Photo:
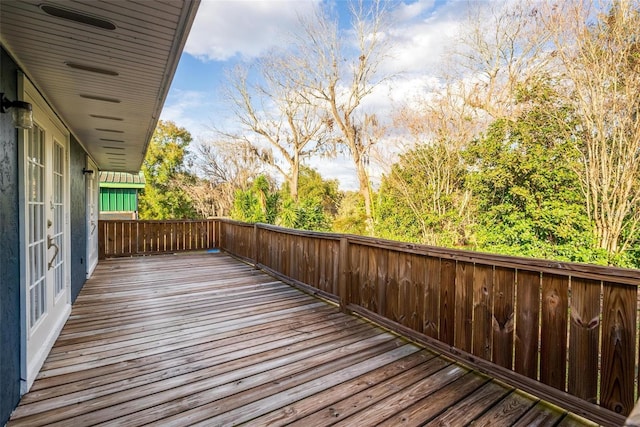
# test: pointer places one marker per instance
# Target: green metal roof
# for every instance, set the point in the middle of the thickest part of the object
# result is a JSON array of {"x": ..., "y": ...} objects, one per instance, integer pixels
[{"x": 121, "y": 180}]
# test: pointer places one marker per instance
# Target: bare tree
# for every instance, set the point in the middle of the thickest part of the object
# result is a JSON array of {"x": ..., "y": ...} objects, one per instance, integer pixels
[
  {"x": 503, "y": 45},
  {"x": 279, "y": 113},
  {"x": 223, "y": 167},
  {"x": 598, "y": 49},
  {"x": 340, "y": 74},
  {"x": 429, "y": 177}
]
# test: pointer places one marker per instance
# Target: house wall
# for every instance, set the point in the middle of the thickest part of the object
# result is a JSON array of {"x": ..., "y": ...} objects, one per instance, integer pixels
[
  {"x": 118, "y": 199},
  {"x": 9, "y": 248},
  {"x": 10, "y": 313},
  {"x": 78, "y": 217}
]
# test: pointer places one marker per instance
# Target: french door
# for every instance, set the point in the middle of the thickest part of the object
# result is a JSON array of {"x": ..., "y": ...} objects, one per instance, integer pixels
[
  {"x": 92, "y": 191},
  {"x": 46, "y": 237}
]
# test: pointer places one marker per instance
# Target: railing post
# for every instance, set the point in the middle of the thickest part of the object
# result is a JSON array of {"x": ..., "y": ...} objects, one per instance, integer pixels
[
  {"x": 216, "y": 234},
  {"x": 220, "y": 233},
  {"x": 102, "y": 237},
  {"x": 343, "y": 278}
]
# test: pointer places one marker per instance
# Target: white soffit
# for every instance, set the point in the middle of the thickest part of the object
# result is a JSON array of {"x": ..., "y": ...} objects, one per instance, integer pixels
[{"x": 105, "y": 66}]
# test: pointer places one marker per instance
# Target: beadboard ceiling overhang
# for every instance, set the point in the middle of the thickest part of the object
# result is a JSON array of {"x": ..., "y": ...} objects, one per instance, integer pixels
[{"x": 105, "y": 66}]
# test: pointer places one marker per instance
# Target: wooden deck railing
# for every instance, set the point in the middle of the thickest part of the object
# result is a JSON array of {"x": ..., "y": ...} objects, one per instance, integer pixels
[
  {"x": 563, "y": 331},
  {"x": 130, "y": 237}
]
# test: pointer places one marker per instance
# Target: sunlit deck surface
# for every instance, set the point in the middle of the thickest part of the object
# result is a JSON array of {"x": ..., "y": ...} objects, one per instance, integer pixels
[{"x": 205, "y": 339}]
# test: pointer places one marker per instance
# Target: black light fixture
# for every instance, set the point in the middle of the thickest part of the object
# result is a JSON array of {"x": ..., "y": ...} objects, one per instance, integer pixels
[
  {"x": 21, "y": 113},
  {"x": 87, "y": 171}
]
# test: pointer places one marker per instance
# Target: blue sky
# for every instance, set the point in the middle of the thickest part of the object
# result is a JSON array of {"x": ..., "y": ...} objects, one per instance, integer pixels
[{"x": 226, "y": 32}]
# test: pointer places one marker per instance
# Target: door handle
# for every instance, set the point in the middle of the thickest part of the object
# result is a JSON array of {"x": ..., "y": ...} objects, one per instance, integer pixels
[{"x": 50, "y": 243}]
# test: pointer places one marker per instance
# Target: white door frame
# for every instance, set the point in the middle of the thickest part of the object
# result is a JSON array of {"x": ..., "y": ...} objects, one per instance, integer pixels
[
  {"x": 92, "y": 194},
  {"x": 37, "y": 339}
]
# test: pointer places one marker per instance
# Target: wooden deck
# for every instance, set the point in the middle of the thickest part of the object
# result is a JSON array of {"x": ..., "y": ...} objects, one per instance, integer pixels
[{"x": 207, "y": 340}]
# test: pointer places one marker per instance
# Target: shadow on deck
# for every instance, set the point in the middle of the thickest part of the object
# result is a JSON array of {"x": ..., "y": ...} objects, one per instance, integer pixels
[{"x": 206, "y": 339}]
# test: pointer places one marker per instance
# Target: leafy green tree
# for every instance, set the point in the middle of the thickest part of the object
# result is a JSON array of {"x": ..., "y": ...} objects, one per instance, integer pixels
[
  {"x": 598, "y": 53},
  {"x": 166, "y": 175},
  {"x": 257, "y": 204},
  {"x": 423, "y": 199},
  {"x": 351, "y": 217},
  {"x": 316, "y": 205},
  {"x": 527, "y": 192}
]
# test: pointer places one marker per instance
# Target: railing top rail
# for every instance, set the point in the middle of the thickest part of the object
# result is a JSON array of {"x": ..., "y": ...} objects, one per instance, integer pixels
[
  {"x": 586, "y": 271},
  {"x": 156, "y": 221}
]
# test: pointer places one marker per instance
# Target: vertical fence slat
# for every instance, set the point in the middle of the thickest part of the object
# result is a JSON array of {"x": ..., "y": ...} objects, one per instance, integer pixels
[
  {"x": 166, "y": 236},
  {"x": 447, "y": 300},
  {"x": 148, "y": 238},
  {"x": 102, "y": 238},
  {"x": 133, "y": 238},
  {"x": 382, "y": 274},
  {"x": 280, "y": 254},
  {"x": 266, "y": 248},
  {"x": 299, "y": 257},
  {"x": 392, "y": 289},
  {"x": 312, "y": 270},
  {"x": 255, "y": 244},
  {"x": 277, "y": 252},
  {"x": 344, "y": 274},
  {"x": 503, "y": 316},
  {"x": 108, "y": 239},
  {"x": 432, "y": 297},
  {"x": 354, "y": 276},
  {"x": 302, "y": 259},
  {"x": 583, "y": 339},
  {"x": 118, "y": 239},
  {"x": 527, "y": 323},
  {"x": 363, "y": 276},
  {"x": 182, "y": 237},
  {"x": 141, "y": 237},
  {"x": 323, "y": 265},
  {"x": 406, "y": 299},
  {"x": 199, "y": 234},
  {"x": 371, "y": 273},
  {"x": 482, "y": 304},
  {"x": 334, "y": 256},
  {"x": 294, "y": 248},
  {"x": 283, "y": 255},
  {"x": 415, "y": 270},
  {"x": 619, "y": 305},
  {"x": 160, "y": 233},
  {"x": 463, "y": 306},
  {"x": 553, "y": 348},
  {"x": 303, "y": 267},
  {"x": 194, "y": 236}
]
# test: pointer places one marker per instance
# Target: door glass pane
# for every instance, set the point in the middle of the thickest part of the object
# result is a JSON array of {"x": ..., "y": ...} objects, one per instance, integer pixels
[
  {"x": 36, "y": 226},
  {"x": 58, "y": 216}
]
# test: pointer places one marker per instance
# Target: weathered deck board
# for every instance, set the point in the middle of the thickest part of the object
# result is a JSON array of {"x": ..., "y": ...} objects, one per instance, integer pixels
[{"x": 204, "y": 339}]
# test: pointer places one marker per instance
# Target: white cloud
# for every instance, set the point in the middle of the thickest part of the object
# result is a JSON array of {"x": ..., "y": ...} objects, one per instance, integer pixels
[
  {"x": 422, "y": 34},
  {"x": 183, "y": 108},
  {"x": 228, "y": 30},
  {"x": 247, "y": 28},
  {"x": 340, "y": 168},
  {"x": 407, "y": 11}
]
